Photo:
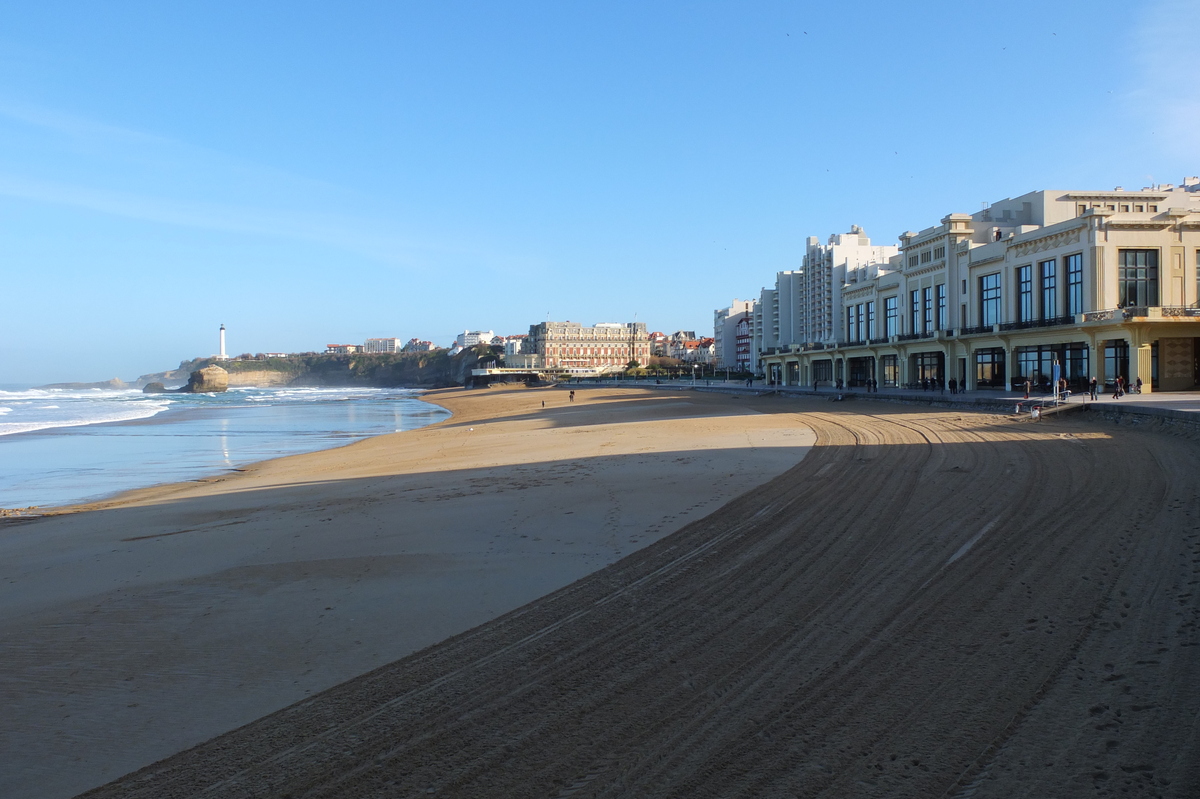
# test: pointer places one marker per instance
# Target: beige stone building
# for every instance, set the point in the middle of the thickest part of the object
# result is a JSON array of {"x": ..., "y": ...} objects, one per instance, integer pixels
[
  {"x": 1101, "y": 283},
  {"x": 570, "y": 345}
]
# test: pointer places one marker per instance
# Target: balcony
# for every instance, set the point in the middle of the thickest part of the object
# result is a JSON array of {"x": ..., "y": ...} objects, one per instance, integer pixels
[
  {"x": 880, "y": 340},
  {"x": 970, "y": 331},
  {"x": 1031, "y": 323},
  {"x": 1172, "y": 312},
  {"x": 1159, "y": 312},
  {"x": 913, "y": 336}
]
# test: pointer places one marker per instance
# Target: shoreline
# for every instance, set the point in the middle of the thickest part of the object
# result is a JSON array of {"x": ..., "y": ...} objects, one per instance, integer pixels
[
  {"x": 202, "y": 606},
  {"x": 189, "y": 441}
]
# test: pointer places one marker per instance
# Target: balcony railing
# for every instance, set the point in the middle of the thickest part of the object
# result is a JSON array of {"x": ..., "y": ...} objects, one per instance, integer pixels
[
  {"x": 914, "y": 336},
  {"x": 1029, "y": 323},
  {"x": 970, "y": 331},
  {"x": 1142, "y": 312},
  {"x": 880, "y": 340}
]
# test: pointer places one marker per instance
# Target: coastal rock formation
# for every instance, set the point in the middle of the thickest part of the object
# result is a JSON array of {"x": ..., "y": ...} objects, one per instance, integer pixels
[
  {"x": 209, "y": 380},
  {"x": 154, "y": 388},
  {"x": 116, "y": 384},
  {"x": 261, "y": 378}
]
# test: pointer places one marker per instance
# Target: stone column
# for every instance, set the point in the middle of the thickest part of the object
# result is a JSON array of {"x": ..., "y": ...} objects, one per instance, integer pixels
[
  {"x": 1096, "y": 360},
  {"x": 1140, "y": 366}
]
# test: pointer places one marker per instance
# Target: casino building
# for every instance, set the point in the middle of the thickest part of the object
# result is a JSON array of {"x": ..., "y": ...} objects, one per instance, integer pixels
[{"x": 1105, "y": 283}]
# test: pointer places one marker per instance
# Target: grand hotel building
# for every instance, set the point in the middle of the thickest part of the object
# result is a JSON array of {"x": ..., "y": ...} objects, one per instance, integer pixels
[{"x": 1106, "y": 283}]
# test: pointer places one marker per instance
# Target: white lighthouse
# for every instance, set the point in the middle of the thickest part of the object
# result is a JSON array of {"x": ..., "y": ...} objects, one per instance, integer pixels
[{"x": 223, "y": 356}]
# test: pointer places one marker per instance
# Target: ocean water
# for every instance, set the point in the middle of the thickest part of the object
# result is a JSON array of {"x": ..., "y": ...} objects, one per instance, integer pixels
[{"x": 62, "y": 446}]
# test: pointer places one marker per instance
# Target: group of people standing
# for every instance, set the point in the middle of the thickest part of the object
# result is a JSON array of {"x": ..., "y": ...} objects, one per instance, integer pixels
[{"x": 1119, "y": 387}]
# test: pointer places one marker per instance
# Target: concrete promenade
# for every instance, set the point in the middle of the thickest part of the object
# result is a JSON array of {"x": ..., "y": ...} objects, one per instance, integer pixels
[{"x": 1169, "y": 404}]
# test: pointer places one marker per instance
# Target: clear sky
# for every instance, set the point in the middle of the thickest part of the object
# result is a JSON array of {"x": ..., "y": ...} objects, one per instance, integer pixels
[{"x": 313, "y": 173}]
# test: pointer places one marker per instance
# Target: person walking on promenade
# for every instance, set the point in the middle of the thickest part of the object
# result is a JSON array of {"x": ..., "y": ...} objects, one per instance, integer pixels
[
  {"x": 1027, "y": 387},
  {"x": 953, "y": 386},
  {"x": 1117, "y": 388},
  {"x": 1139, "y": 385},
  {"x": 1094, "y": 389}
]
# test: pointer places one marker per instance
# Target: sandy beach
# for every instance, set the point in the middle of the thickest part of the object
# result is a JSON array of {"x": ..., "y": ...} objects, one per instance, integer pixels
[
  {"x": 932, "y": 603},
  {"x": 140, "y": 626}
]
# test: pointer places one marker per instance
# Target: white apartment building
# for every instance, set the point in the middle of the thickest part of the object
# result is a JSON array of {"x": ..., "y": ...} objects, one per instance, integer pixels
[
  {"x": 469, "y": 338},
  {"x": 725, "y": 325},
  {"x": 1075, "y": 283},
  {"x": 382, "y": 345}
]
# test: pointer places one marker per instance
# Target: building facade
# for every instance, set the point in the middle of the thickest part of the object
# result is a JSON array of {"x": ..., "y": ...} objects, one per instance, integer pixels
[
  {"x": 418, "y": 345},
  {"x": 1070, "y": 283},
  {"x": 725, "y": 326},
  {"x": 382, "y": 345},
  {"x": 469, "y": 338},
  {"x": 572, "y": 345}
]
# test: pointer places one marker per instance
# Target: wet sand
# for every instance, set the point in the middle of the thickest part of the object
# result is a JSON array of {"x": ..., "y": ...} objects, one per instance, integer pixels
[{"x": 140, "y": 626}]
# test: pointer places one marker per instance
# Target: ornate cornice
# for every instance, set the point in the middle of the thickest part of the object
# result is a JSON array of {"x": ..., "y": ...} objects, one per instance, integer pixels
[
  {"x": 1117, "y": 195},
  {"x": 926, "y": 269},
  {"x": 1043, "y": 243},
  {"x": 1118, "y": 225}
]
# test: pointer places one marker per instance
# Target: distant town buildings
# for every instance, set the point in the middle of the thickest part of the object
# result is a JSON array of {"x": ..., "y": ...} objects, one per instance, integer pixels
[
  {"x": 1077, "y": 284},
  {"x": 343, "y": 349},
  {"x": 513, "y": 345},
  {"x": 417, "y": 345}
]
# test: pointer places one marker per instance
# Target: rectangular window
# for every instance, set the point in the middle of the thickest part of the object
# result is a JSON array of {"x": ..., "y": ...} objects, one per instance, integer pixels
[
  {"x": 1049, "y": 274},
  {"x": 1116, "y": 361},
  {"x": 914, "y": 311},
  {"x": 939, "y": 252},
  {"x": 1074, "y": 265},
  {"x": 989, "y": 299},
  {"x": 912, "y": 260},
  {"x": 871, "y": 320},
  {"x": 1025, "y": 293},
  {"x": 929, "y": 366},
  {"x": 989, "y": 368},
  {"x": 927, "y": 310},
  {"x": 942, "y": 321},
  {"x": 926, "y": 256},
  {"x": 889, "y": 366},
  {"x": 891, "y": 316},
  {"x": 1137, "y": 277}
]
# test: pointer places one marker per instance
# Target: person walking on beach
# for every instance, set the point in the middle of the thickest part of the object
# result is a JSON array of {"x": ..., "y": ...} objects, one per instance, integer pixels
[
  {"x": 1093, "y": 389},
  {"x": 572, "y": 395}
]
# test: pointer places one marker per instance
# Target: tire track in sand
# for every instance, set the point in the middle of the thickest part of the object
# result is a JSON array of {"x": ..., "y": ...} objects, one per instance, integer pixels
[{"x": 807, "y": 639}]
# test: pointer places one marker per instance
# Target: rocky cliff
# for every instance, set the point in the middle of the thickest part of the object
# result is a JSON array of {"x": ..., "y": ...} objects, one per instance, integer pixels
[
  {"x": 209, "y": 380},
  {"x": 435, "y": 369}
]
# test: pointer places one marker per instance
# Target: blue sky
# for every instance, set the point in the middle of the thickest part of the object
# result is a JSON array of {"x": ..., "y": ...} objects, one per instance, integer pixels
[{"x": 309, "y": 173}]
